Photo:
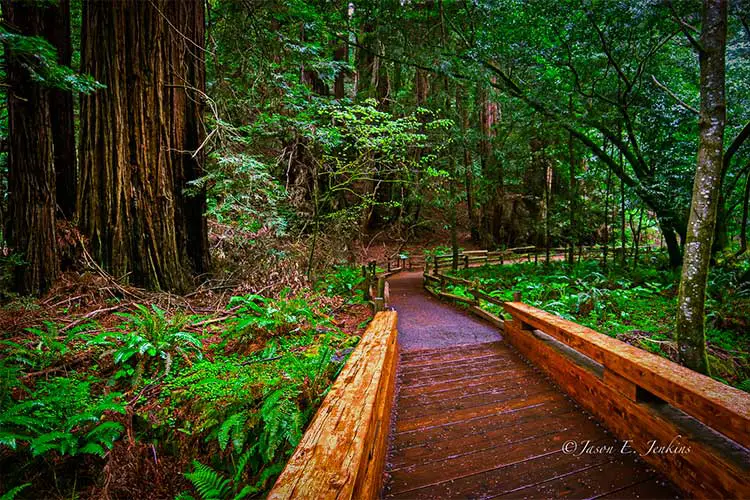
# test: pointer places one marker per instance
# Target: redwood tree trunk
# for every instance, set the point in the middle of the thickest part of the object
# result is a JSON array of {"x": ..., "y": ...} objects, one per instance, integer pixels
[
  {"x": 31, "y": 171},
  {"x": 57, "y": 32},
  {"x": 701, "y": 224},
  {"x": 138, "y": 138}
]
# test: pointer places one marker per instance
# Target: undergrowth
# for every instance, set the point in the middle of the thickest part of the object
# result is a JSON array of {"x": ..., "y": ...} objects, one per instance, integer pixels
[{"x": 224, "y": 398}]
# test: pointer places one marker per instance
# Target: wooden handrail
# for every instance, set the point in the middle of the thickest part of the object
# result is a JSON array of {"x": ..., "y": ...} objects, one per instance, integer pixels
[
  {"x": 645, "y": 399},
  {"x": 717, "y": 405},
  {"x": 342, "y": 453}
]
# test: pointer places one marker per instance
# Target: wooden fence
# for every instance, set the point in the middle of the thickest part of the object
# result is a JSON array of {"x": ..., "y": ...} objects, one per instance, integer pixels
[
  {"x": 342, "y": 453},
  {"x": 693, "y": 429},
  {"x": 375, "y": 284}
]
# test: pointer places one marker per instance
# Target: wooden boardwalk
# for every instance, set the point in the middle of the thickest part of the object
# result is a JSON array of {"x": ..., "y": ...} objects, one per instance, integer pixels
[
  {"x": 478, "y": 422},
  {"x": 474, "y": 418}
]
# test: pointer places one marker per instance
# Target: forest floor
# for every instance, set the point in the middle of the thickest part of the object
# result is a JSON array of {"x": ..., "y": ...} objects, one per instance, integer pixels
[{"x": 110, "y": 391}]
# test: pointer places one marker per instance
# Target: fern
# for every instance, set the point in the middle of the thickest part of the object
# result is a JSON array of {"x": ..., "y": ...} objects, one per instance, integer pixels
[
  {"x": 210, "y": 484},
  {"x": 12, "y": 493},
  {"x": 148, "y": 336},
  {"x": 61, "y": 415},
  {"x": 213, "y": 485}
]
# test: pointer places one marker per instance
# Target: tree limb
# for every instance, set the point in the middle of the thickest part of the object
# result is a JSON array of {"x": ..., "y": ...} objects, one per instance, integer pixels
[{"x": 675, "y": 96}]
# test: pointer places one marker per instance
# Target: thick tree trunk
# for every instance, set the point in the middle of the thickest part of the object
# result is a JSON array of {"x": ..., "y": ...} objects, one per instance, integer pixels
[
  {"x": 31, "y": 164},
  {"x": 138, "y": 138},
  {"x": 701, "y": 224},
  {"x": 57, "y": 32}
]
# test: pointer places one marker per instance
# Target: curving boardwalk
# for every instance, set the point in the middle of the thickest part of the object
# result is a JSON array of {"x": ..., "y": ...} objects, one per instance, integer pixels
[{"x": 474, "y": 420}]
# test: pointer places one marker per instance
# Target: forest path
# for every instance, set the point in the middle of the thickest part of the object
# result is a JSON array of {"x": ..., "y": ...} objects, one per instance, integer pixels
[
  {"x": 424, "y": 322},
  {"x": 473, "y": 419}
]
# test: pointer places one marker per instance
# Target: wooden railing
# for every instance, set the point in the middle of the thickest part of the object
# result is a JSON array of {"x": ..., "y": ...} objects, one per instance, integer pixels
[
  {"x": 342, "y": 453},
  {"x": 375, "y": 284},
  {"x": 690, "y": 427}
]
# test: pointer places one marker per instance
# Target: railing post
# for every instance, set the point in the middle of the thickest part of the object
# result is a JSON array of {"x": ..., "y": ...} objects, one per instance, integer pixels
[
  {"x": 435, "y": 271},
  {"x": 517, "y": 296},
  {"x": 366, "y": 283},
  {"x": 466, "y": 262}
]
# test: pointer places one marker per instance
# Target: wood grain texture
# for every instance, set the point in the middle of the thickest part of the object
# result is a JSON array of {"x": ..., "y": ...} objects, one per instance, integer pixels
[
  {"x": 477, "y": 422},
  {"x": 712, "y": 468},
  {"x": 342, "y": 453},
  {"x": 721, "y": 407}
]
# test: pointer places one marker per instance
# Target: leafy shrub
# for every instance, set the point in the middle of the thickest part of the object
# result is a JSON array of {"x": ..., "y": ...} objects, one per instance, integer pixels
[
  {"x": 260, "y": 314},
  {"x": 61, "y": 415},
  {"x": 344, "y": 280}
]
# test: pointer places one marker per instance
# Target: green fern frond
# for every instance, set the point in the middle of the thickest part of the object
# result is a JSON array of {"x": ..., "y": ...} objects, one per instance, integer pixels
[
  {"x": 210, "y": 484},
  {"x": 11, "y": 494}
]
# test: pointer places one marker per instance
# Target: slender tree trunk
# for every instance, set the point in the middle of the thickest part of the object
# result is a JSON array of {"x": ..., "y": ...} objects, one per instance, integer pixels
[
  {"x": 139, "y": 138},
  {"x": 743, "y": 225},
  {"x": 468, "y": 168},
  {"x": 605, "y": 247},
  {"x": 547, "y": 210},
  {"x": 57, "y": 32},
  {"x": 572, "y": 203},
  {"x": 31, "y": 163},
  {"x": 701, "y": 224},
  {"x": 623, "y": 239}
]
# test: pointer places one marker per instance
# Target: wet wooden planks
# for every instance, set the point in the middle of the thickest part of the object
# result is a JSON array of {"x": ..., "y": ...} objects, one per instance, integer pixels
[{"x": 477, "y": 422}]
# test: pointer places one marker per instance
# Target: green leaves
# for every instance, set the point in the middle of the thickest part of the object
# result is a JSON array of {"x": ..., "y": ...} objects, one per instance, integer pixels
[
  {"x": 61, "y": 416},
  {"x": 148, "y": 334},
  {"x": 39, "y": 58}
]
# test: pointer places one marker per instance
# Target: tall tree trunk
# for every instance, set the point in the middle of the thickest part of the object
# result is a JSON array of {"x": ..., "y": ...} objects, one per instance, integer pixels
[
  {"x": 31, "y": 163},
  {"x": 743, "y": 224},
  {"x": 487, "y": 115},
  {"x": 623, "y": 239},
  {"x": 340, "y": 53},
  {"x": 138, "y": 139},
  {"x": 572, "y": 203},
  {"x": 703, "y": 208},
  {"x": 605, "y": 247},
  {"x": 468, "y": 167},
  {"x": 189, "y": 108},
  {"x": 57, "y": 32}
]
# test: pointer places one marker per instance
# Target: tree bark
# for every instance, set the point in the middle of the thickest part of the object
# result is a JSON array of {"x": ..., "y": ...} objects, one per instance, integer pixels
[
  {"x": 743, "y": 225},
  {"x": 701, "y": 224},
  {"x": 468, "y": 167},
  {"x": 572, "y": 194},
  {"x": 139, "y": 138},
  {"x": 31, "y": 162},
  {"x": 57, "y": 32}
]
